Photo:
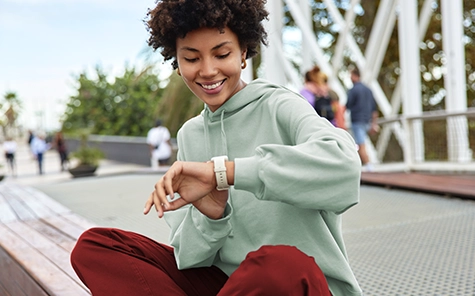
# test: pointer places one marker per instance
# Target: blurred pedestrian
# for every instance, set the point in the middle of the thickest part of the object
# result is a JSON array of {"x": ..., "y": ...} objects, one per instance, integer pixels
[
  {"x": 9, "y": 147},
  {"x": 158, "y": 140},
  {"x": 60, "y": 145},
  {"x": 39, "y": 147},
  {"x": 31, "y": 136},
  {"x": 338, "y": 109},
  {"x": 316, "y": 91},
  {"x": 363, "y": 112}
]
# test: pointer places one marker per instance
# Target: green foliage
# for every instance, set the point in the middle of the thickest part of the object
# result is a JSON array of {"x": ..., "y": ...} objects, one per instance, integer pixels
[
  {"x": 178, "y": 104},
  {"x": 87, "y": 155},
  {"x": 126, "y": 106}
]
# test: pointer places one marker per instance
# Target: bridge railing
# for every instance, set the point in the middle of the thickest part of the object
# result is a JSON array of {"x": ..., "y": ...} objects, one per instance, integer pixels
[{"x": 432, "y": 141}]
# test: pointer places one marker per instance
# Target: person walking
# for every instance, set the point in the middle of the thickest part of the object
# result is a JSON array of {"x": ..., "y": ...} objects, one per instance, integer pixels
[
  {"x": 363, "y": 113},
  {"x": 158, "y": 140},
  {"x": 60, "y": 145},
  {"x": 255, "y": 200},
  {"x": 38, "y": 148},
  {"x": 317, "y": 93},
  {"x": 10, "y": 147}
]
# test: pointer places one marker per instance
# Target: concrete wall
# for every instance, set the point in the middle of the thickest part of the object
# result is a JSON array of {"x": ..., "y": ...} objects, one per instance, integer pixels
[{"x": 120, "y": 148}]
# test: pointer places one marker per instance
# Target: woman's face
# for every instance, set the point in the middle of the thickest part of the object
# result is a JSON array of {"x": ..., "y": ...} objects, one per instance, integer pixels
[{"x": 210, "y": 64}]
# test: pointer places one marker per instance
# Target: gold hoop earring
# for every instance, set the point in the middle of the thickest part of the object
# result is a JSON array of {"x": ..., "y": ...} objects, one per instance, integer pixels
[
  {"x": 243, "y": 64},
  {"x": 178, "y": 71}
]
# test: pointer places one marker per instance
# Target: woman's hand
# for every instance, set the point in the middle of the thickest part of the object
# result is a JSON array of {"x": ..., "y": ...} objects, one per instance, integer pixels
[{"x": 196, "y": 184}]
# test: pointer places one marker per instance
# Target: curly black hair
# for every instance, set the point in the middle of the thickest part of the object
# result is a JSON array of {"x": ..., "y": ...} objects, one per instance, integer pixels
[{"x": 172, "y": 19}]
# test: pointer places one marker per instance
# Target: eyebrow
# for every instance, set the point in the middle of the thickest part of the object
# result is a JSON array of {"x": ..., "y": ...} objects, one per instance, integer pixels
[{"x": 214, "y": 48}]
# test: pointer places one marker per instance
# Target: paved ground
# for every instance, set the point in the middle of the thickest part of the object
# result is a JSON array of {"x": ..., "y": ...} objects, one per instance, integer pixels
[{"x": 399, "y": 242}]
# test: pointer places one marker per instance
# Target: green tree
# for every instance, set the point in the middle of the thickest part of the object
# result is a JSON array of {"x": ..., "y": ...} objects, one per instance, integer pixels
[
  {"x": 178, "y": 104},
  {"x": 127, "y": 106}
]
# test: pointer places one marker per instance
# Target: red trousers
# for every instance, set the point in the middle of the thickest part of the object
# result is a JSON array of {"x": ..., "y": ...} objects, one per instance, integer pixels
[{"x": 116, "y": 262}]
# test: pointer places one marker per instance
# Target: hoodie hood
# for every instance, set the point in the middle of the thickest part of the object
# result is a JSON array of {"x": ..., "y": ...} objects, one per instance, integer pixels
[{"x": 251, "y": 92}]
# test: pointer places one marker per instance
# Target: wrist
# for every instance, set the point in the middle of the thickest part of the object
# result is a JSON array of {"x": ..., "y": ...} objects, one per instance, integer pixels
[
  {"x": 220, "y": 171},
  {"x": 230, "y": 172}
]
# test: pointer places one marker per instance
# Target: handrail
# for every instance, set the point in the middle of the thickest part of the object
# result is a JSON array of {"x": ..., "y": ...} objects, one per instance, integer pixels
[{"x": 429, "y": 115}]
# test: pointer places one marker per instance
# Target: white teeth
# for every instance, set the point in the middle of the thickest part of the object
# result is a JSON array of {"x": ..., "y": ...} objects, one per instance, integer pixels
[{"x": 212, "y": 86}]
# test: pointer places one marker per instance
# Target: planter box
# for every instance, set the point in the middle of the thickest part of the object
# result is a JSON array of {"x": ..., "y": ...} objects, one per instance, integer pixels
[{"x": 83, "y": 171}]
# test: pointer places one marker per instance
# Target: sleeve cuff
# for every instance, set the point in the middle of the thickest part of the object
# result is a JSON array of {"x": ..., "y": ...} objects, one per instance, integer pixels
[
  {"x": 210, "y": 228},
  {"x": 246, "y": 175}
]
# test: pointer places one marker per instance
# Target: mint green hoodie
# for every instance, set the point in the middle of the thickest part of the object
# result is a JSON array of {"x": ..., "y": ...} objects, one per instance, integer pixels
[{"x": 294, "y": 175}]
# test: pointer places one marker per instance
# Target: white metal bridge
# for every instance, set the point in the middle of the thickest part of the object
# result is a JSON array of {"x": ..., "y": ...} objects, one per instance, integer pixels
[{"x": 407, "y": 128}]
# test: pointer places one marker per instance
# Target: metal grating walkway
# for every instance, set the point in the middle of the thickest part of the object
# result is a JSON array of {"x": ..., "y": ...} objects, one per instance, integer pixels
[{"x": 405, "y": 243}]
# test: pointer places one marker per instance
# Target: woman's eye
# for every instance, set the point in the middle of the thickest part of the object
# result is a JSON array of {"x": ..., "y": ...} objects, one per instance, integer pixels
[
  {"x": 191, "y": 60},
  {"x": 223, "y": 56}
]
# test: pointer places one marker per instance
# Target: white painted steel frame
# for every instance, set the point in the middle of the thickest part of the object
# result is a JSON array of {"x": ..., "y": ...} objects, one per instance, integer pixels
[
  {"x": 455, "y": 82},
  {"x": 408, "y": 90}
]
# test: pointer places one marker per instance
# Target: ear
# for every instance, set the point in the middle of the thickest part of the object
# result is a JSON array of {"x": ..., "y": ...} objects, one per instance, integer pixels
[{"x": 243, "y": 54}]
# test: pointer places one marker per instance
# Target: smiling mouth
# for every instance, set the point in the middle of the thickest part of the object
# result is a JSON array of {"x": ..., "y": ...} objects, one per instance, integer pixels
[{"x": 212, "y": 86}]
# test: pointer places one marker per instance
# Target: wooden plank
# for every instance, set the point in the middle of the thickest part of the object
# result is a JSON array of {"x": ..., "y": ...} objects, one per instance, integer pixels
[
  {"x": 49, "y": 270},
  {"x": 34, "y": 203},
  {"x": 38, "y": 234},
  {"x": 14, "y": 280},
  {"x": 53, "y": 234},
  {"x": 6, "y": 212},
  {"x": 21, "y": 210},
  {"x": 3, "y": 291},
  {"x": 65, "y": 226},
  {"x": 454, "y": 185},
  {"x": 50, "y": 250}
]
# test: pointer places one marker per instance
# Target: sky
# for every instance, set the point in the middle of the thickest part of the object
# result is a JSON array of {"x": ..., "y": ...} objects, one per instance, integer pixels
[{"x": 44, "y": 44}]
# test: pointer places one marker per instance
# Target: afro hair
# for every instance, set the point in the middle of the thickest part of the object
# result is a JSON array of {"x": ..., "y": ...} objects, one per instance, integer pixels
[{"x": 172, "y": 19}]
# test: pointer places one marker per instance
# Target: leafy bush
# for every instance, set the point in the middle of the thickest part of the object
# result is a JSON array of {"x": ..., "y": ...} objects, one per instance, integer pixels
[{"x": 87, "y": 155}]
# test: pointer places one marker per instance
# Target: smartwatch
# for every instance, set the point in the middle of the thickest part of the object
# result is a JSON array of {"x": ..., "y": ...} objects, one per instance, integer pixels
[{"x": 220, "y": 171}]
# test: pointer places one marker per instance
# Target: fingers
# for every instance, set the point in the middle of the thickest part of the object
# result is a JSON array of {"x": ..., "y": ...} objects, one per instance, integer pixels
[
  {"x": 148, "y": 205},
  {"x": 153, "y": 200},
  {"x": 158, "y": 198}
]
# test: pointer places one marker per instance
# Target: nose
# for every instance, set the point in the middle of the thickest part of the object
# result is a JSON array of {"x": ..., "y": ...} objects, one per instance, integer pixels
[{"x": 208, "y": 68}]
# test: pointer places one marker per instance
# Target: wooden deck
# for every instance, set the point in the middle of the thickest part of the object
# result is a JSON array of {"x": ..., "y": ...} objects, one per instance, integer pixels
[
  {"x": 37, "y": 235},
  {"x": 457, "y": 185}
]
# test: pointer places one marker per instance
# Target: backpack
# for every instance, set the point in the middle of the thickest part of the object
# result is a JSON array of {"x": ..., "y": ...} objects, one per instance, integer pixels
[{"x": 323, "y": 106}]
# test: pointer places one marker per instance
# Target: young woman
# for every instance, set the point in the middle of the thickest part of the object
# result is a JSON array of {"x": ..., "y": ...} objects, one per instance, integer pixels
[{"x": 255, "y": 201}]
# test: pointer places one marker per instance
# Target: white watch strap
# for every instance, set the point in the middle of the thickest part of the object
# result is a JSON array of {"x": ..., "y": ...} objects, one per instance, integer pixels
[{"x": 220, "y": 171}]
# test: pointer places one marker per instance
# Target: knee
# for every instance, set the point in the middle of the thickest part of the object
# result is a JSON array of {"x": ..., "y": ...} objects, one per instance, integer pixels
[
  {"x": 284, "y": 257},
  {"x": 89, "y": 238},
  {"x": 277, "y": 270}
]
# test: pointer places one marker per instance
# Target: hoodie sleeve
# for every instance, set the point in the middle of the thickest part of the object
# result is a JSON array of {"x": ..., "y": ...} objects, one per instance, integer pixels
[
  {"x": 319, "y": 170},
  {"x": 190, "y": 225},
  {"x": 207, "y": 236}
]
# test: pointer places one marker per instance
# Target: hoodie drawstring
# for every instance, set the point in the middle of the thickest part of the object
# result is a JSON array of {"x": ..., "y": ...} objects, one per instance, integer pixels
[
  {"x": 224, "y": 144},
  {"x": 223, "y": 136}
]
